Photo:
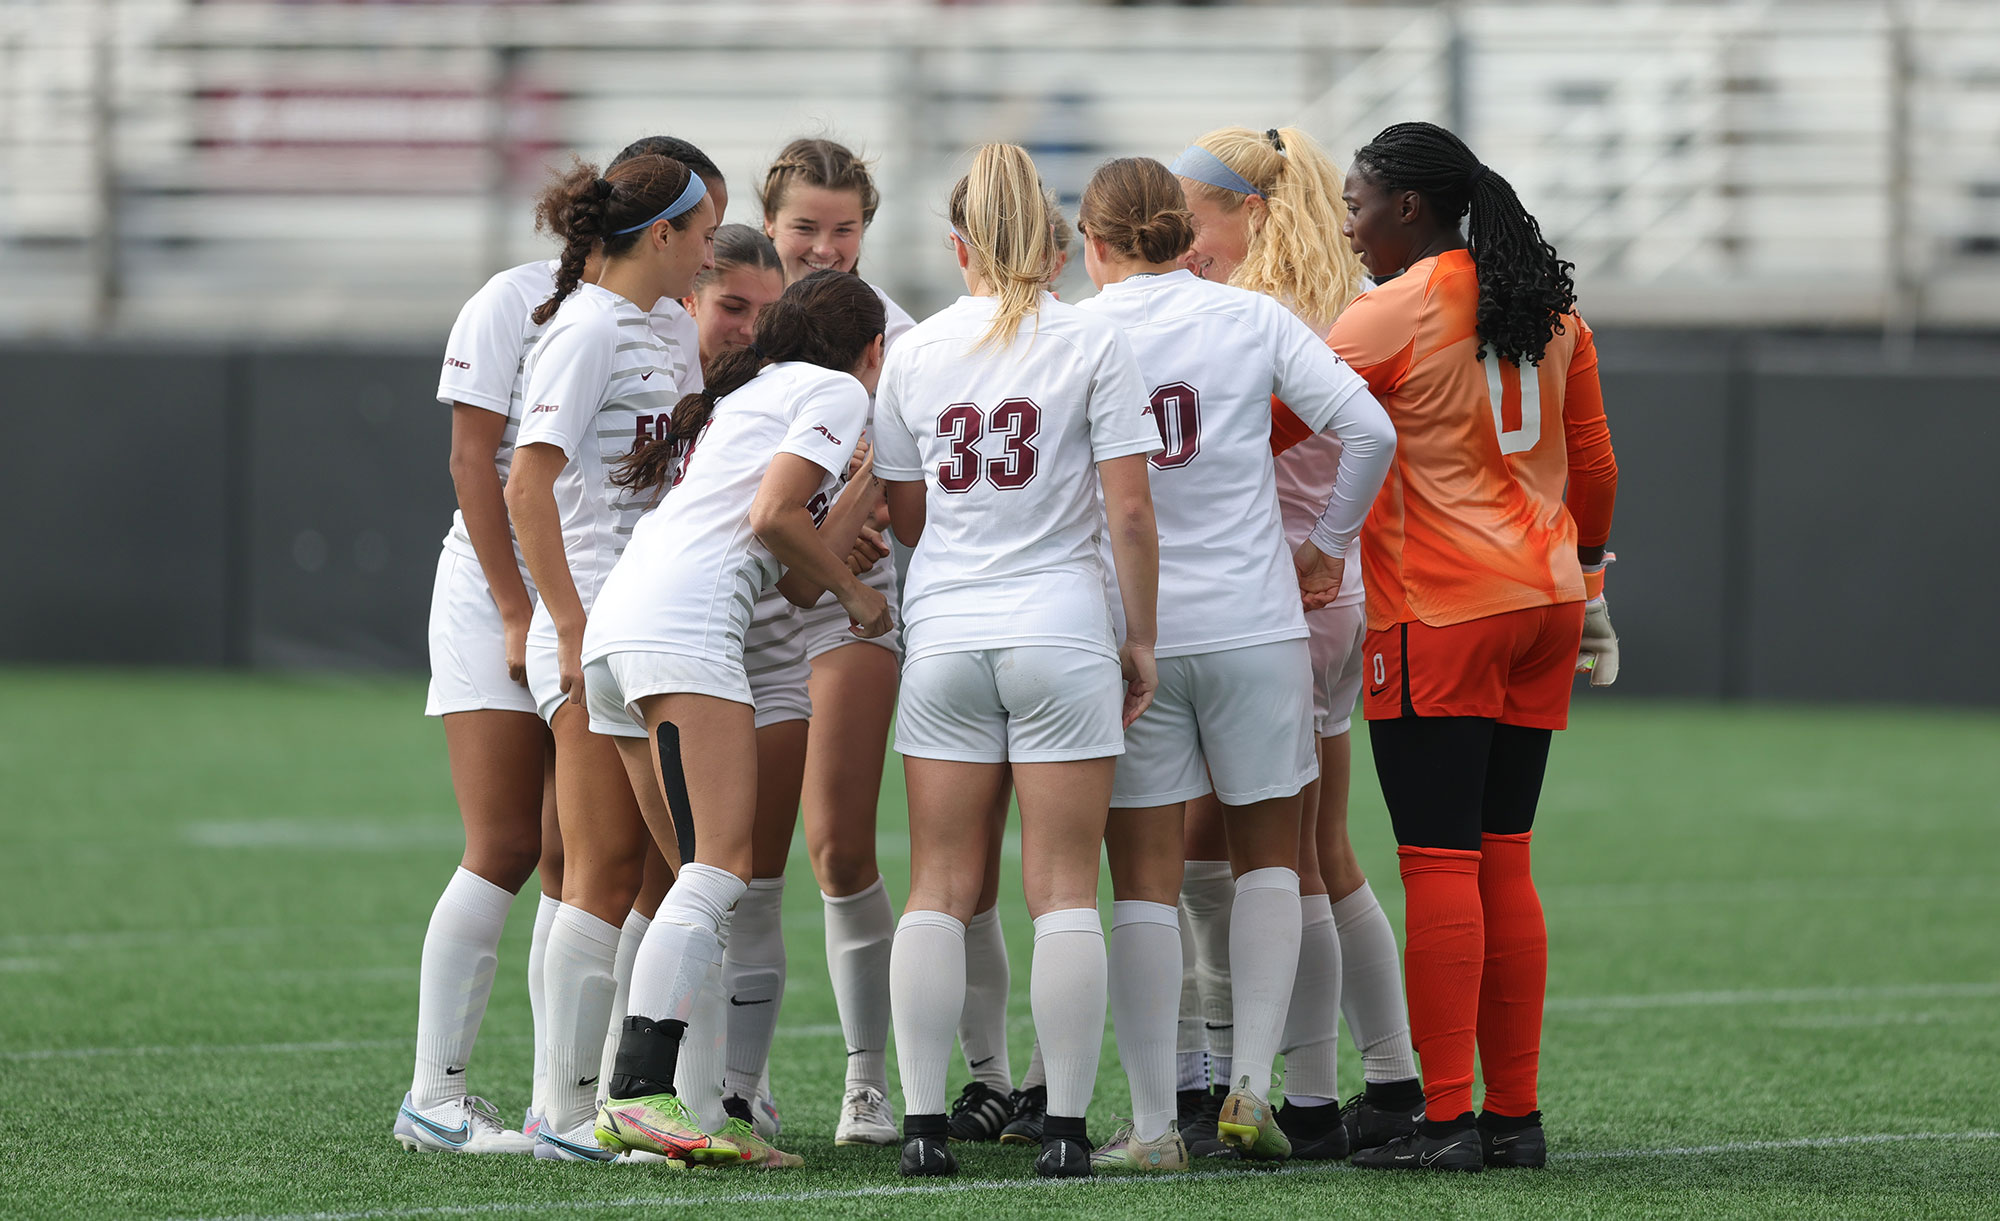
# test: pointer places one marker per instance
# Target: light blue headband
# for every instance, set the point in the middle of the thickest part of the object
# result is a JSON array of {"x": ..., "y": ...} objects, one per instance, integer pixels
[
  {"x": 690, "y": 195},
  {"x": 1203, "y": 166}
]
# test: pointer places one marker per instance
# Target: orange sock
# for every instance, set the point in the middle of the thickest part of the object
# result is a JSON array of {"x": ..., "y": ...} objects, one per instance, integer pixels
[
  {"x": 1516, "y": 977},
  {"x": 1444, "y": 955}
]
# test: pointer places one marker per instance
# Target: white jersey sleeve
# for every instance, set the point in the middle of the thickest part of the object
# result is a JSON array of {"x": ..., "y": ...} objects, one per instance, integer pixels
[
  {"x": 831, "y": 415},
  {"x": 1120, "y": 408},
  {"x": 565, "y": 386},
  {"x": 483, "y": 356}
]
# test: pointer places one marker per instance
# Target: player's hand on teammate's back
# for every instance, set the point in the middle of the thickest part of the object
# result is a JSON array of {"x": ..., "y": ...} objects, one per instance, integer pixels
[
  {"x": 868, "y": 613},
  {"x": 1319, "y": 575},
  {"x": 1597, "y": 656},
  {"x": 1142, "y": 678},
  {"x": 569, "y": 666}
]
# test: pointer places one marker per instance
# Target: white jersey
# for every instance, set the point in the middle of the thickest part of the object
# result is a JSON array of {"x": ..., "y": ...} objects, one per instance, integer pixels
[
  {"x": 693, "y": 558},
  {"x": 1212, "y": 356},
  {"x": 599, "y": 382},
  {"x": 896, "y": 319},
  {"x": 1305, "y": 479},
  {"x": 1007, "y": 443},
  {"x": 483, "y": 359}
]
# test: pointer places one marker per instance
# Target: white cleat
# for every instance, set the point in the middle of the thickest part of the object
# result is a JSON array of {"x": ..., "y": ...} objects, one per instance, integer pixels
[
  {"x": 579, "y": 1144},
  {"x": 467, "y": 1125},
  {"x": 764, "y": 1116},
  {"x": 532, "y": 1122},
  {"x": 865, "y": 1119}
]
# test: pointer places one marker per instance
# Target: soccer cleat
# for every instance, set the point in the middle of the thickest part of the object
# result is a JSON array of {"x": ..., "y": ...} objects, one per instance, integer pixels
[
  {"x": 531, "y": 1122},
  {"x": 1453, "y": 1146},
  {"x": 661, "y": 1123},
  {"x": 1028, "y": 1109},
  {"x": 468, "y": 1125},
  {"x": 1125, "y": 1153},
  {"x": 927, "y": 1156},
  {"x": 1250, "y": 1126},
  {"x": 1507, "y": 1143},
  {"x": 579, "y": 1144},
  {"x": 1317, "y": 1133},
  {"x": 1198, "y": 1109},
  {"x": 865, "y": 1119},
  {"x": 756, "y": 1152},
  {"x": 1063, "y": 1157},
  {"x": 764, "y": 1114},
  {"x": 980, "y": 1113},
  {"x": 1369, "y": 1126}
]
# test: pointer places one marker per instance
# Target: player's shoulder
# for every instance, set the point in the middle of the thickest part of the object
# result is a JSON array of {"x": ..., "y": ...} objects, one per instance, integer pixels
[
  {"x": 527, "y": 285},
  {"x": 1086, "y": 331}
]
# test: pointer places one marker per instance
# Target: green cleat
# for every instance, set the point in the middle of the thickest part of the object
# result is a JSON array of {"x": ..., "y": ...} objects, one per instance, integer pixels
[
  {"x": 1249, "y": 1125},
  {"x": 757, "y": 1153},
  {"x": 661, "y": 1124}
]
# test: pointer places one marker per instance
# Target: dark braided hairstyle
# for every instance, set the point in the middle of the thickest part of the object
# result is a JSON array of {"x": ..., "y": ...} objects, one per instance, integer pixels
[
  {"x": 827, "y": 319},
  {"x": 1524, "y": 287},
  {"x": 585, "y": 210}
]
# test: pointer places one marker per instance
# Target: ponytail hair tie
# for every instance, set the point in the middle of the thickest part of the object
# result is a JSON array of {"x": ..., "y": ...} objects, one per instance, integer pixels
[
  {"x": 604, "y": 187},
  {"x": 1478, "y": 175},
  {"x": 1277, "y": 141}
]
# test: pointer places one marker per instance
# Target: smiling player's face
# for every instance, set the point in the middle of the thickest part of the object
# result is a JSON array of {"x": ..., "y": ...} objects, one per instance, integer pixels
[
  {"x": 1221, "y": 236},
  {"x": 816, "y": 229},
  {"x": 726, "y": 308}
]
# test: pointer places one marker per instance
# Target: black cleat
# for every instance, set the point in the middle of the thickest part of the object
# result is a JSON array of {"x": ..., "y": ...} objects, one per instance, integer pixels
[
  {"x": 1029, "y": 1108},
  {"x": 927, "y": 1157},
  {"x": 1433, "y": 1146},
  {"x": 1317, "y": 1133},
  {"x": 1513, "y": 1144},
  {"x": 1065, "y": 1149},
  {"x": 1198, "y": 1112},
  {"x": 980, "y": 1113},
  {"x": 1370, "y": 1125}
]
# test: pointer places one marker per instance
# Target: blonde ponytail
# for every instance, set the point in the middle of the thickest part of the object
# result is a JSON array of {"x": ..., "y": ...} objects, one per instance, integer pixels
[
  {"x": 1002, "y": 215},
  {"x": 1299, "y": 255}
]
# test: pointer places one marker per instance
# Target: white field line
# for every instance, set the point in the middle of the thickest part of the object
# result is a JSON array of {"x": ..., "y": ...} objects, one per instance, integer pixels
[
  {"x": 823, "y": 1030},
  {"x": 1044, "y": 1185}
]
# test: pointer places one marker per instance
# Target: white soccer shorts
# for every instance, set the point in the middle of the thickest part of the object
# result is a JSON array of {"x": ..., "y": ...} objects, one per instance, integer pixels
[
  {"x": 1236, "y": 723},
  {"x": 774, "y": 656},
  {"x": 1031, "y": 704},
  {"x": 1337, "y": 632},
  {"x": 469, "y": 644},
  {"x": 614, "y": 684}
]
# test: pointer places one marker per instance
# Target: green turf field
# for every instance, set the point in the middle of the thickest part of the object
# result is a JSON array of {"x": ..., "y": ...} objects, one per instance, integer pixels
[{"x": 1774, "y": 983}]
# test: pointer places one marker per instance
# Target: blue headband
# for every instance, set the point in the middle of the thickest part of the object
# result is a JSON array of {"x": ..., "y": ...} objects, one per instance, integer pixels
[
  {"x": 691, "y": 194},
  {"x": 1203, "y": 166}
]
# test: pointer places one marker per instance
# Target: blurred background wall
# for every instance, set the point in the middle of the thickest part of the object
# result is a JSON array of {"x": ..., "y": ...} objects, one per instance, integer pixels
[{"x": 233, "y": 237}]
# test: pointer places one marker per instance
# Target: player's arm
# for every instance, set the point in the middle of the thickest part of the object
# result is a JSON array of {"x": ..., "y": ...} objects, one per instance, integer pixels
[
  {"x": 531, "y": 504},
  {"x": 1593, "y": 490},
  {"x": 814, "y": 561},
  {"x": 1135, "y": 553},
  {"x": 476, "y": 435}
]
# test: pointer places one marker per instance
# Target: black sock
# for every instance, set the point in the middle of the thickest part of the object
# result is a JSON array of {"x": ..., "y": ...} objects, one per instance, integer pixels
[
  {"x": 647, "y": 1053},
  {"x": 1490, "y": 1121},
  {"x": 1309, "y": 1123},
  {"x": 1406, "y": 1095},
  {"x": 1064, "y": 1127},
  {"x": 1447, "y": 1127},
  {"x": 924, "y": 1125}
]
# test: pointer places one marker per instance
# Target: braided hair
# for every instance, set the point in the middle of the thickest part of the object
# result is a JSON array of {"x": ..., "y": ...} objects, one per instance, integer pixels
[
  {"x": 1524, "y": 286},
  {"x": 587, "y": 211}
]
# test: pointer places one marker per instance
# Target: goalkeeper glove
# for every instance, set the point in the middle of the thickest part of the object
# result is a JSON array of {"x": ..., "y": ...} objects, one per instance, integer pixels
[{"x": 1597, "y": 656}]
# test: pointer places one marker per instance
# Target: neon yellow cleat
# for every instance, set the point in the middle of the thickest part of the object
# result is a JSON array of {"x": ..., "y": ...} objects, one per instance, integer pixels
[
  {"x": 1249, "y": 1125},
  {"x": 661, "y": 1124},
  {"x": 1125, "y": 1153}
]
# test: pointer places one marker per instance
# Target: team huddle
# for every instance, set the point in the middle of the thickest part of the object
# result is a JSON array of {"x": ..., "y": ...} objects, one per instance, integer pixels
[{"x": 727, "y": 513}]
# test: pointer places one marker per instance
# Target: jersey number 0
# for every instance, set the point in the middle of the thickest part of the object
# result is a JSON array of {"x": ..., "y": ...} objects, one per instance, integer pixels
[
  {"x": 1518, "y": 421},
  {"x": 962, "y": 424}
]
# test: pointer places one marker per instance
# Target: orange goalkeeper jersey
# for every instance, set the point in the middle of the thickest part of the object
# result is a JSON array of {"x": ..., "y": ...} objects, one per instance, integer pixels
[{"x": 1500, "y": 471}]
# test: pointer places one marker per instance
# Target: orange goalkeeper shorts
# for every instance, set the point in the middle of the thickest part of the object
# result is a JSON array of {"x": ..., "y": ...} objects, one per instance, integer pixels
[{"x": 1515, "y": 668}]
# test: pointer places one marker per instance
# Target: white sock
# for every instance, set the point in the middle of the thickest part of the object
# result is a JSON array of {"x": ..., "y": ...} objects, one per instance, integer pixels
[
  {"x": 461, "y": 953},
  {"x": 704, "y": 1054},
  {"x": 1371, "y": 988},
  {"x": 1207, "y": 895},
  {"x": 859, "y": 930},
  {"x": 1038, "y": 1073},
  {"x": 1191, "y": 1037},
  {"x": 753, "y": 983},
  {"x": 982, "y": 1028},
  {"x": 1066, "y": 989},
  {"x": 927, "y": 993},
  {"x": 1145, "y": 950},
  {"x": 629, "y": 939},
  {"x": 1312, "y": 1027},
  {"x": 538, "y": 1005},
  {"x": 1263, "y": 961},
  {"x": 582, "y": 953}
]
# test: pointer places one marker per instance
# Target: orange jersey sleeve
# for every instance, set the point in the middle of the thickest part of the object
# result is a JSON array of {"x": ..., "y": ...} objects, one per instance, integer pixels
[
  {"x": 1593, "y": 467},
  {"x": 1287, "y": 429}
]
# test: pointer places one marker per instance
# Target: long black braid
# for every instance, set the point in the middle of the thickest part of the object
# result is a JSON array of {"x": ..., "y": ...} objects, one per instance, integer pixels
[{"x": 1524, "y": 287}]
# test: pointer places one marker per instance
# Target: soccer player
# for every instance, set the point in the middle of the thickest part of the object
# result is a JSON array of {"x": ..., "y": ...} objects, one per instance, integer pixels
[
  {"x": 999, "y": 421},
  {"x": 481, "y": 607},
  {"x": 1484, "y": 560},
  {"x": 1233, "y": 714},
  {"x": 760, "y": 454},
  {"x": 819, "y": 199},
  {"x": 597, "y": 380},
  {"x": 1267, "y": 215}
]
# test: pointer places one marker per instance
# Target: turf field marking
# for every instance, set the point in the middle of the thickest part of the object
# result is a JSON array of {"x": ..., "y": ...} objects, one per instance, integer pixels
[
  {"x": 1769, "y": 996},
  {"x": 974, "y": 1185}
]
